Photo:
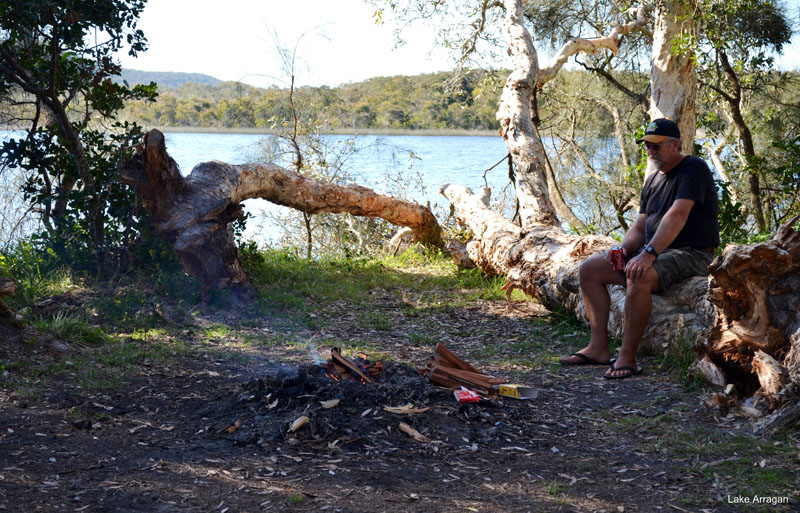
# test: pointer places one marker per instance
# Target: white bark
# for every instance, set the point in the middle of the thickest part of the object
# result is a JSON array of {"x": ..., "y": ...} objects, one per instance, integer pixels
[
  {"x": 593, "y": 45},
  {"x": 673, "y": 79},
  {"x": 516, "y": 124},
  {"x": 514, "y": 111}
]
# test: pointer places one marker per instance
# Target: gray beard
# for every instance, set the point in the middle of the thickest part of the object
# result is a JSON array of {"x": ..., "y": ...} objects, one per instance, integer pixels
[{"x": 653, "y": 165}]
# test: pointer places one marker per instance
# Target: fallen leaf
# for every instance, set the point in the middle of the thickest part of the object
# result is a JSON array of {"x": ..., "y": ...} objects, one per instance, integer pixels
[
  {"x": 232, "y": 429},
  {"x": 330, "y": 403},
  {"x": 413, "y": 433},
  {"x": 297, "y": 424},
  {"x": 572, "y": 480},
  {"x": 408, "y": 408}
]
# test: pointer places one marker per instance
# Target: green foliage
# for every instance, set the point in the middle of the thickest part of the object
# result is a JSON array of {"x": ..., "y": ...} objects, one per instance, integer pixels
[
  {"x": 46, "y": 158},
  {"x": 38, "y": 273},
  {"x": 49, "y": 60},
  {"x": 783, "y": 195},
  {"x": 432, "y": 101}
]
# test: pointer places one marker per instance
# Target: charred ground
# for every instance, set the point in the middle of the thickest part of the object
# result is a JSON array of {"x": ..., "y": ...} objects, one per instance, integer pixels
[{"x": 194, "y": 415}]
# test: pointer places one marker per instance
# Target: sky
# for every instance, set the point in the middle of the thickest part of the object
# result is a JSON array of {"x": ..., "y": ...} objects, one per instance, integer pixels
[{"x": 337, "y": 41}]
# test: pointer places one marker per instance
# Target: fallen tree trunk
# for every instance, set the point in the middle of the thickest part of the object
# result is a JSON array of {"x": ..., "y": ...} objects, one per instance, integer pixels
[
  {"x": 544, "y": 263},
  {"x": 195, "y": 213}
]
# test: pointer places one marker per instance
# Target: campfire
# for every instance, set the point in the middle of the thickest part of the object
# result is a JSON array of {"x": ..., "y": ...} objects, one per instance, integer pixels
[
  {"x": 444, "y": 369},
  {"x": 340, "y": 368}
]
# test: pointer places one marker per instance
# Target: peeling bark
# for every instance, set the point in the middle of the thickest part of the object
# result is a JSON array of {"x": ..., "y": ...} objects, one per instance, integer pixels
[
  {"x": 195, "y": 213},
  {"x": 771, "y": 375},
  {"x": 516, "y": 123},
  {"x": 673, "y": 79},
  {"x": 515, "y": 110}
]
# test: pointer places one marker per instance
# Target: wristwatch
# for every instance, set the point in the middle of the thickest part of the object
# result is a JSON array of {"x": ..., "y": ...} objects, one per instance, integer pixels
[{"x": 650, "y": 249}]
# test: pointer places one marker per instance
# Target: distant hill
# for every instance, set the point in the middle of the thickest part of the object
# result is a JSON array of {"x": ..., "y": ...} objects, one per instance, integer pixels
[{"x": 166, "y": 79}]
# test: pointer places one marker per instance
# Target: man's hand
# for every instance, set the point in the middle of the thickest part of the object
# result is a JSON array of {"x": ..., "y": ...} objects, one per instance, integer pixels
[{"x": 638, "y": 266}]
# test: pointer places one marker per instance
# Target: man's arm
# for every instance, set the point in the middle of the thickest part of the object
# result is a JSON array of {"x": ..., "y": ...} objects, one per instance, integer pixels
[
  {"x": 634, "y": 239},
  {"x": 669, "y": 228},
  {"x": 672, "y": 224}
]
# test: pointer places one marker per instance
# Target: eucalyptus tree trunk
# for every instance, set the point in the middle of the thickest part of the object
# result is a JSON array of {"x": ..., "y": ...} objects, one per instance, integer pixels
[{"x": 673, "y": 80}]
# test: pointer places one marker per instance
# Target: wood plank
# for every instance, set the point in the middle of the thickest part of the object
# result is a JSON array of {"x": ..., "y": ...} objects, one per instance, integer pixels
[
  {"x": 470, "y": 377},
  {"x": 442, "y": 380},
  {"x": 454, "y": 382},
  {"x": 452, "y": 358}
]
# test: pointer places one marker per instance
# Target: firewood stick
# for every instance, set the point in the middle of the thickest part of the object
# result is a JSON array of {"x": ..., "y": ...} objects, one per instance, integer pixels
[
  {"x": 350, "y": 366},
  {"x": 442, "y": 380},
  {"x": 455, "y": 360},
  {"x": 478, "y": 379},
  {"x": 453, "y": 382},
  {"x": 465, "y": 380},
  {"x": 491, "y": 380}
]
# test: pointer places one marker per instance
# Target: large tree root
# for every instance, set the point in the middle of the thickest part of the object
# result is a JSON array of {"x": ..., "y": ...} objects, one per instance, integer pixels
[{"x": 754, "y": 340}]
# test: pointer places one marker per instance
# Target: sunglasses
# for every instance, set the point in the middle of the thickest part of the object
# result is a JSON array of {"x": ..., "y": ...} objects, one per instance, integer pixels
[{"x": 654, "y": 146}]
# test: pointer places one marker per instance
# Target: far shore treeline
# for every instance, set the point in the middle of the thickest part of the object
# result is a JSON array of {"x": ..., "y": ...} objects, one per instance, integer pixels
[{"x": 438, "y": 101}]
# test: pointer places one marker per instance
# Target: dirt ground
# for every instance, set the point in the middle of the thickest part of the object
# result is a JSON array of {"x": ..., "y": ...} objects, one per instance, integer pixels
[{"x": 208, "y": 430}]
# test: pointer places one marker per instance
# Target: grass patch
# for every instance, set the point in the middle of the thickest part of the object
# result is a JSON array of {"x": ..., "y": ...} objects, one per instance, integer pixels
[
  {"x": 676, "y": 363},
  {"x": 742, "y": 465},
  {"x": 284, "y": 279},
  {"x": 72, "y": 330},
  {"x": 37, "y": 274}
]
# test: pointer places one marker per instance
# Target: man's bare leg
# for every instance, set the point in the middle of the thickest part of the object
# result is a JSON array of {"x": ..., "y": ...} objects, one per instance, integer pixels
[
  {"x": 595, "y": 273},
  {"x": 638, "y": 307}
]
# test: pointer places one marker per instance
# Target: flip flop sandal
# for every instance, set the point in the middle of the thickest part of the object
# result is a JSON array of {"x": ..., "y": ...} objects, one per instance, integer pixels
[
  {"x": 633, "y": 372},
  {"x": 586, "y": 360}
]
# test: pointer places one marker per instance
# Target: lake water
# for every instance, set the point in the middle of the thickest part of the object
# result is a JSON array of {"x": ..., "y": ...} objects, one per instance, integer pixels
[
  {"x": 435, "y": 159},
  {"x": 410, "y": 166},
  {"x": 407, "y": 165}
]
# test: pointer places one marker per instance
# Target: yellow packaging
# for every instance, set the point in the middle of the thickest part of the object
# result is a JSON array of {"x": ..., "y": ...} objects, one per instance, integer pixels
[{"x": 518, "y": 391}]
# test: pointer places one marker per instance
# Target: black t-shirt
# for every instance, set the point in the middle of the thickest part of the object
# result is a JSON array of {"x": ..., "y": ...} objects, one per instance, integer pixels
[{"x": 690, "y": 179}]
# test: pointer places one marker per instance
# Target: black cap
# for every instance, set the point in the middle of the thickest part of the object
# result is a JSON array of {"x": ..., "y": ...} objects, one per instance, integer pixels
[{"x": 658, "y": 130}]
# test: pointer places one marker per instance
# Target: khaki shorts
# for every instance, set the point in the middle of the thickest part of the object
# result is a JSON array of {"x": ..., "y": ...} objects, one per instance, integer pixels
[{"x": 675, "y": 265}]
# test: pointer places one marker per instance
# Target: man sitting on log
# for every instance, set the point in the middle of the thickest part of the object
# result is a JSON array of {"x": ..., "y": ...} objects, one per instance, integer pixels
[{"x": 673, "y": 238}]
